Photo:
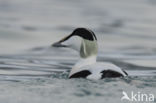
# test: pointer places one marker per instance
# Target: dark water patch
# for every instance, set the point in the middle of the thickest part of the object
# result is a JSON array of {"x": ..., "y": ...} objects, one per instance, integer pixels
[
  {"x": 117, "y": 23},
  {"x": 145, "y": 82},
  {"x": 152, "y": 2},
  {"x": 79, "y": 94},
  {"x": 31, "y": 68},
  {"x": 128, "y": 79},
  {"x": 143, "y": 53},
  {"x": 133, "y": 47},
  {"x": 6, "y": 6},
  {"x": 14, "y": 81},
  {"x": 86, "y": 92},
  {"x": 110, "y": 27},
  {"x": 37, "y": 49},
  {"x": 98, "y": 94},
  {"x": 29, "y": 28},
  {"x": 36, "y": 28},
  {"x": 129, "y": 66},
  {"x": 27, "y": 75},
  {"x": 8, "y": 68},
  {"x": 1, "y": 62}
]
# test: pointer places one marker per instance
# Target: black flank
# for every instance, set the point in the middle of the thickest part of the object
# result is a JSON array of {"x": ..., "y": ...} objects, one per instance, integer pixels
[
  {"x": 110, "y": 74},
  {"x": 81, "y": 74}
]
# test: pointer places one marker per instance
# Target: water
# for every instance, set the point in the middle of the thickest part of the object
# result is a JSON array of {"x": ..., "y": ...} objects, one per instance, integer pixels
[{"x": 33, "y": 72}]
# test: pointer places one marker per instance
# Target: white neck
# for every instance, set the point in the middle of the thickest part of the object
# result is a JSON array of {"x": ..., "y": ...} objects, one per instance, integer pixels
[{"x": 85, "y": 61}]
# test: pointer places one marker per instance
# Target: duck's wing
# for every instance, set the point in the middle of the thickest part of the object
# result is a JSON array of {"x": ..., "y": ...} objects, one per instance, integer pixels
[
  {"x": 80, "y": 74},
  {"x": 110, "y": 74},
  {"x": 109, "y": 70}
]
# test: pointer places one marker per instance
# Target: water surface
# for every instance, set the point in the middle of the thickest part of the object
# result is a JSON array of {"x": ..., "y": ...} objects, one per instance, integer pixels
[{"x": 33, "y": 71}]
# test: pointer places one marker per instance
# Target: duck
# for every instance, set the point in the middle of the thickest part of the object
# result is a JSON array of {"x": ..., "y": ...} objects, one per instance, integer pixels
[{"x": 84, "y": 41}]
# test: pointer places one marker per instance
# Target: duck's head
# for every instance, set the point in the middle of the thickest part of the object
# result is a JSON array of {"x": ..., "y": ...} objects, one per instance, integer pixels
[{"x": 82, "y": 40}]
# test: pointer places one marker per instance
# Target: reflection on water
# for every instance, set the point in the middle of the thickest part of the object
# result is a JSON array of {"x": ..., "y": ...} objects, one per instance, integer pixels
[{"x": 29, "y": 67}]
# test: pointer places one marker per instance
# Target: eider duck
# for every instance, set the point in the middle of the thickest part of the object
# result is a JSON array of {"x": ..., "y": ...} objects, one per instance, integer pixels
[{"x": 85, "y": 42}]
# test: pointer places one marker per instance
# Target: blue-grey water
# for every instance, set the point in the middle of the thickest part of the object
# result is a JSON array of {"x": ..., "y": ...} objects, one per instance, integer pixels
[{"x": 31, "y": 71}]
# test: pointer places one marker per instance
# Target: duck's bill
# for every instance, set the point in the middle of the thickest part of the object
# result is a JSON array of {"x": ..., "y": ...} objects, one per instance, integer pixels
[
  {"x": 61, "y": 42},
  {"x": 58, "y": 44}
]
